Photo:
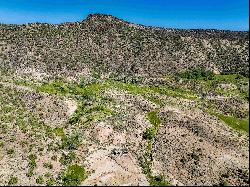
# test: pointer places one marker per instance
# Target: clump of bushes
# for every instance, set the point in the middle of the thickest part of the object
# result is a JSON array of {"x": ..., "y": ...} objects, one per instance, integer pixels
[
  {"x": 32, "y": 164},
  {"x": 12, "y": 180},
  {"x": 48, "y": 165},
  {"x": 73, "y": 176},
  {"x": 197, "y": 74},
  {"x": 59, "y": 131},
  {"x": 149, "y": 133},
  {"x": 40, "y": 180},
  {"x": 67, "y": 158},
  {"x": 153, "y": 118},
  {"x": 10, "y": 151},
  {"x": 159, "y": 180},
  {"x": 70, "y": 142}
]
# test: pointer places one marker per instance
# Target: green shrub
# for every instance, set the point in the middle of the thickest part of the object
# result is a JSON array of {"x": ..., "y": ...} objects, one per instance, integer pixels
[
  {"x": 39, "y": 180},
  {"x": 30, "y": 173},
  {"x": 12, "y": 180},
  {"x": 70, "y": 142},
  {"x": 54, "y": 157},
  {"x": 159, "y": 181},
  {"x": 48, "y": 165},
  {"x": 50, "y": 182},
  {"x": 10, "y": 151},
  {"x": 59, "y": 131},
  {"x": 75, "y": 117},
  {"x": 32, "y": 164},
  {"x": 32, "y": 160},
  {"x": 153, "y": 118},
  {"x": 197, "y": 74},
  {"x": 149, "y": 133},
  {"x": 74, "y": 175},
  {"x": 67, "y": 158}
]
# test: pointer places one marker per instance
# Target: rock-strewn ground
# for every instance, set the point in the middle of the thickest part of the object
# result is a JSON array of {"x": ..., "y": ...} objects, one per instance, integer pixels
[{"x": 193, "y": 148}]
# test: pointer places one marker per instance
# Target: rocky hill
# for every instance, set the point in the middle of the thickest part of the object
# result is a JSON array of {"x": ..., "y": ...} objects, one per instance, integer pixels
[
  {"x": 108, "y": 102},
  {"x": 112, "y": 45}
]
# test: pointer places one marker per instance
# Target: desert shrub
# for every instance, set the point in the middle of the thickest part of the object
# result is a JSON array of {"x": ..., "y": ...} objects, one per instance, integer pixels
[
  {"x": 48, "y": 165},
  {"x": 159, "y": 181},
  {"x": 32, "y": 164},
  {"x": 10, "y": 151},
  {"x": 153, "y": 118},
  {"x": 70, "y": 142},
  {"x": 67, "y": 158},
  {"x": 149, "y": 133},
  {"x": 73, "y": 176},
  {"x": 59, "y": 131},
  {"x": 197, "y": 74},
  {"x": 12, "y": 180},
  {"x": 54, "y": 157},
  {"x": 39, "y": 180},
  {"x": 32, "y": 160},
  {"x": 75, "y": 117},
  {"x": 50, "y": 182}
]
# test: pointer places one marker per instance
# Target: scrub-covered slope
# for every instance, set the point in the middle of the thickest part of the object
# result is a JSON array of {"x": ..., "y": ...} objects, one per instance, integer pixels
[
  {"x": 106, "y": 102},
  {"x": 113, "y": 46}
]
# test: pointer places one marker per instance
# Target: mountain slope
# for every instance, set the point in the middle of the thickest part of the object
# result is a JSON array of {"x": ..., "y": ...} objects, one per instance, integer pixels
[
  {"x": 107, "y": 102},
  {"x": 110, "y": 44}
]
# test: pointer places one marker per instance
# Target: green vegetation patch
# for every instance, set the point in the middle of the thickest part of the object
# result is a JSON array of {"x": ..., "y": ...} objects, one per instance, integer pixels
[
  {"x": 146, "y": 162},
  {"x": 86, "y": 113},
  {"x": 32, "y": 164},
  {"x": 222, "y": 84},
  {"x": 59, "y": 131},
  {"x": 230, "y": 78},
  {"x": 145, "y": 90},
  {"x": 67, "y": 159},
  {"x": 40, "y": 180},
  {"x": 70, "y": 142},
  {"x": 239, "y": 124},
  {"x": 235, "y": 123},
  {"x": 91, "y": 104},
  {"x": 12, "y": 180},
  {"x": 50, "y": 182},
  {"x": 149, "y": 133},
  {"x": 63, "y": 88},
  {"x": 23, "y": 82},
  {"x": 54, "y": 87},
  {"x": 197, "y": 74},
  {"x": 159, "y": 181},
  {"x": 235, "y": 85},
  {"x": 153, "y": 118},
  {"x": 73, "y": 176}
]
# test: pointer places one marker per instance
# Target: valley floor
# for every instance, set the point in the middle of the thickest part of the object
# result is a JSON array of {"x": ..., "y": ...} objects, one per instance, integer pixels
[{"x": 165, "y": 131}]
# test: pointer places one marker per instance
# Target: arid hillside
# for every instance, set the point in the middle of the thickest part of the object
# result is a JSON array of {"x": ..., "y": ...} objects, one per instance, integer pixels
[
  {"x": 107, "y": 102},
  {"x": 113, "y": 46}
]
